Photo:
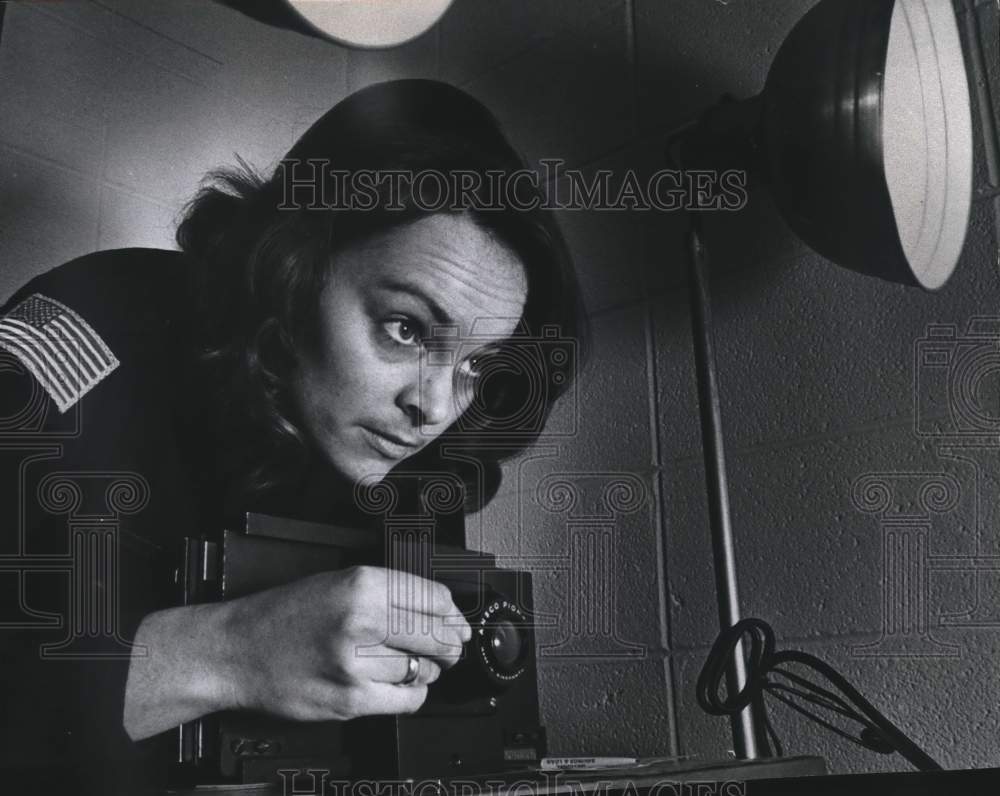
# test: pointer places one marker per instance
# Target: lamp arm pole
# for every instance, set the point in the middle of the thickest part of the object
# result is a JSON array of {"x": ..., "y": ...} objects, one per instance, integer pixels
[{"x": 723, "y": 549}]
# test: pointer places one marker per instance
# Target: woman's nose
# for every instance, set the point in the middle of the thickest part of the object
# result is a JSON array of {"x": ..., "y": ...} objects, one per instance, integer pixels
[{"x": 429, "y": 398}]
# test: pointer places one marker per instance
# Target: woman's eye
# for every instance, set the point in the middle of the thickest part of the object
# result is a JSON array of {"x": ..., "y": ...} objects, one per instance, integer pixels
[
  {"x": 402, "y": 331},
  {"x": 469, "y": 369},
  {"x": 474, "y": 367}
]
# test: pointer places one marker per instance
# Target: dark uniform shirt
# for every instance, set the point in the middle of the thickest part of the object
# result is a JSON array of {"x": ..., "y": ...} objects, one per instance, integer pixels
[{"x": 94, "y": 501}]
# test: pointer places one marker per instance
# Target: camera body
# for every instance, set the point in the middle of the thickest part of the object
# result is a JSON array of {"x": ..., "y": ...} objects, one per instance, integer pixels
[{"x": 481, "y": 716}]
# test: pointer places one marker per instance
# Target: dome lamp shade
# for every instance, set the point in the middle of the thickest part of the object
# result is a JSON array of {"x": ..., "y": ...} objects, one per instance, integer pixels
[{"x": 863, "y": 132}]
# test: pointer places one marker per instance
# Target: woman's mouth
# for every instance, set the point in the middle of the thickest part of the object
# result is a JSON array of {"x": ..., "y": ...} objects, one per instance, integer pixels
[{"x": 389, "y": 446}]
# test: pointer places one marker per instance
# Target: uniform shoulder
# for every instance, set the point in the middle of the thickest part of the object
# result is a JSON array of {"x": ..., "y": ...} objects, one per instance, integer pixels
[
  {"x": 118, "y": 292},
  {"x": 94, "y": 278},
  {"x": 73, "y": 325}
]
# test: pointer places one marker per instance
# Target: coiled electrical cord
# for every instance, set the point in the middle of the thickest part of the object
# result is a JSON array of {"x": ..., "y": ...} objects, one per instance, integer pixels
[{"x": 876, "y": 733}]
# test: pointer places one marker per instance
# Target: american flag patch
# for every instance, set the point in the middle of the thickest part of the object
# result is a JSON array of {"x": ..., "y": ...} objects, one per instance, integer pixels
[{"x": 58, "y": 347}]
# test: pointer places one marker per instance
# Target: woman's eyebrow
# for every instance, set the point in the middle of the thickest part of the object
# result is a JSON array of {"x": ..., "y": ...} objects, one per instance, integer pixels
[{"x": 437, "y": 311}]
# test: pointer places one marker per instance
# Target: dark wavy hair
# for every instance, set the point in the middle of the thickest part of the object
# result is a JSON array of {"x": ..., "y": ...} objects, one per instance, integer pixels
[{"x": 261, "y": 262}]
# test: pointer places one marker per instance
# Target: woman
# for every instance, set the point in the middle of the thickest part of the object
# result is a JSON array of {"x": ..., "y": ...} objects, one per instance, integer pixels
[{"x": 292, "y": 350}]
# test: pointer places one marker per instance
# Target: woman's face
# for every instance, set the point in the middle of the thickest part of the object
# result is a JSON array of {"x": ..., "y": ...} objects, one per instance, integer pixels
[{"x": 376, "y": 392}]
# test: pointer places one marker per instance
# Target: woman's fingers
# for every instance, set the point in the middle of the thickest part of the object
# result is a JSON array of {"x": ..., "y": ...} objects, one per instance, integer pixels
[
  {"x": 407, "y": 592},
  {"x": 387, "y": 665},
  {"x": 415, "y": 593},
  {"x": 386, "y": 698},
  {"x": 437, "y": 637},
  {"x": 428, "y": 636}
]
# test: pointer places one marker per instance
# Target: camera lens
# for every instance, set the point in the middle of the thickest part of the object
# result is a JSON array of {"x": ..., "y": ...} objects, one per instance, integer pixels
[
  {"x": 503, "y": 641},
  {"x": 507, "y": 644},
  {"x": 501, "y": 648}
]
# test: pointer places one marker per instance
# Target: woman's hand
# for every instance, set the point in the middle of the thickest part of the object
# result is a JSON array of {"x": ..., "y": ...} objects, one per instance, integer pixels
[
  {"x": 330, "y": 646},
  {"x": 336, "y": 645}
]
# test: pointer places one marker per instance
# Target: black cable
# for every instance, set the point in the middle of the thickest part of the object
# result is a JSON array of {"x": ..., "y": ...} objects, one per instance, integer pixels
[
  {"x": 773, "y": 738},
  {"x": 877, "y": 734},
  {"x": 776, "y": 688},
  {"x": 824, "y": 723},
  {"x": 829, "y": 696}
]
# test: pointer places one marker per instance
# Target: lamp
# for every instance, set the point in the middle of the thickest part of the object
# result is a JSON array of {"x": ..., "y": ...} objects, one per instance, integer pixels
[
  {"x": 365, "y": 24},
  {"x": 863, "y": 133}
]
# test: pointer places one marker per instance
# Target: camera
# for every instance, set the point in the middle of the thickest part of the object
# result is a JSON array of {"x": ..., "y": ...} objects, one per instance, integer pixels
[
  {"x": 480, "y": 717},
  {"x": 957, "y": 380}
]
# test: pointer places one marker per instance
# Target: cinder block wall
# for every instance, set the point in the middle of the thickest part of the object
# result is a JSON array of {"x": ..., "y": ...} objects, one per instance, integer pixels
[
  {"x": 819, "y": 382},
  {"x": 110, "y": 112}
]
